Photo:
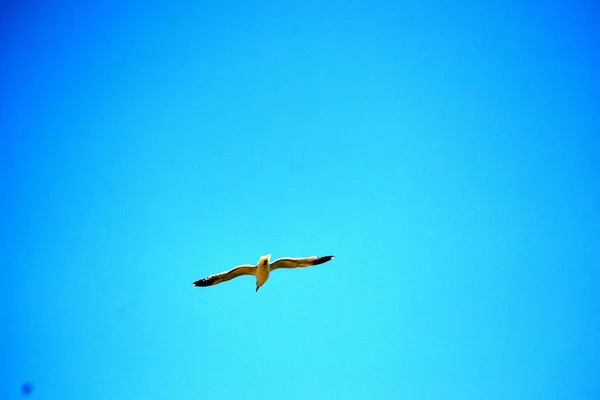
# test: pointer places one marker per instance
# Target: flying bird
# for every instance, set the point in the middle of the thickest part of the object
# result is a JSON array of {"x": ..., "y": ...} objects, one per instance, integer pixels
[{"x": 261, "y": 270}]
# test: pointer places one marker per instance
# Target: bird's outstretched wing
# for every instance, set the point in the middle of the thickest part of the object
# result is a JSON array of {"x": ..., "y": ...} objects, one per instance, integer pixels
[
  {"x": 299, "y": 262},
  {"x": 225, "y": 276}
]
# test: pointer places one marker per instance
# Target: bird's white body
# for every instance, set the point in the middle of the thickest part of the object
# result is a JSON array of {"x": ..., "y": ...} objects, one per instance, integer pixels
[{"x": 263, "y": 269}]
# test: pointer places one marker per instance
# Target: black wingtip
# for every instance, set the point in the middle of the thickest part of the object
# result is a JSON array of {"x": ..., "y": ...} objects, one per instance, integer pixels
[
  {"x": 200, "y": 283},
  {"x": 323, "y": 259}
]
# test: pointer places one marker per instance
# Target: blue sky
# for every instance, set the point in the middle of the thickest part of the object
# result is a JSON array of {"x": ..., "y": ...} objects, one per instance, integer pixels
[{"x": 445, "y": 153}]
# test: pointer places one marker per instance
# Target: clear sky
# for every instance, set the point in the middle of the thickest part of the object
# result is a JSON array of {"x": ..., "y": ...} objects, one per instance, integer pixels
[{"x": 447, "y": 153}]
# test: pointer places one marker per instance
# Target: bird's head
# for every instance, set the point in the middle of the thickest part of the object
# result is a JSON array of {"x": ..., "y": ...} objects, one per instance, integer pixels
[{"x": 264, "y": 261}]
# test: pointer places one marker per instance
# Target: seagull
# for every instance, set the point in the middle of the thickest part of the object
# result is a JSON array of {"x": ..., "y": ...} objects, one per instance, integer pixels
[{"x": 261, "y": 270}]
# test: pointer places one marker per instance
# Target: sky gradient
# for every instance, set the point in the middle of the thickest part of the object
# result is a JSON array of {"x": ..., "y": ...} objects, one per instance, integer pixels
[{"x": 446, "y": 153}]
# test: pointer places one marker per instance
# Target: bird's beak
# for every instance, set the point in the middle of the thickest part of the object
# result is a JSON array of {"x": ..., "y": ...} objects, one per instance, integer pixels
[{"x": 257, "y": 288}]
